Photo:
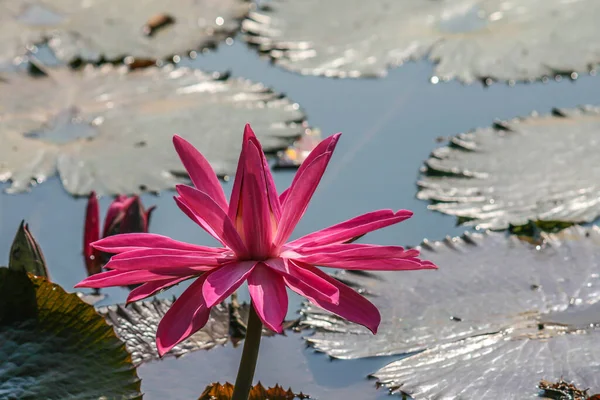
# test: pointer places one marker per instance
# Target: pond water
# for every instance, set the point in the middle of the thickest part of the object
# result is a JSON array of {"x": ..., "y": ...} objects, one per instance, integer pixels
[{"x": 389, "y": 127}]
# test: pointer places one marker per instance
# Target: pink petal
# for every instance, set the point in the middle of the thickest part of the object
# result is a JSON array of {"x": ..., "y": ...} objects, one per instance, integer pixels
[
  {"x": 200, "y": 171},
  {"x": 352, "y": 228},
  {"x": 300, "y": 194},
  {"x": 91, "y": 233},
  {"x": 269, "y": 297},
  {"x": 133, "y": 216},
  {"x": 224, "y": 280},
  {"x": 165, "y": 259},
  {"x": 302, "y": 280},
  {"x": 137, "y": 241},
  {"x": 149, "y": 288},
  {"x": 250, "y": 138},
  {"x": 236, "y": 192},
  {"x": 327, "y": 145},
  {"x": 352, "y": 306},
  {"x": 256, "y": 216},
  {"x": 386, "y": 264},
  {"x": 341, "y": 252},
  {"x": 187, "y": 315},
  {"x": 206, "y": 209},
  {"x": 124, "y": 278},
  {"x": 283, "y": 195},
  {"x": 116, "y": 207},
  {"x": 147, "y": 215}
]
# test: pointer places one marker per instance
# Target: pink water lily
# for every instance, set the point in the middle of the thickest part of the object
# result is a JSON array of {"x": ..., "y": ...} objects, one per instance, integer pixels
[{"x": 253, "y": 228}]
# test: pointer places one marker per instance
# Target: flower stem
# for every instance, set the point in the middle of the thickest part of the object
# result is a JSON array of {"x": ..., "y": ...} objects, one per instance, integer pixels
[{"x": 245, "y": 375}]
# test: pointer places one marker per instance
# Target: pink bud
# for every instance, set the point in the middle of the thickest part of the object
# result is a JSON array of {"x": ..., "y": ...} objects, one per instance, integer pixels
[{"x": 91, "y": 234}]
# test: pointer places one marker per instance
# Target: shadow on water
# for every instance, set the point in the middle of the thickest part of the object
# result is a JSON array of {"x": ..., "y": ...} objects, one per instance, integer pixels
[{"x": 389, "y": 125}]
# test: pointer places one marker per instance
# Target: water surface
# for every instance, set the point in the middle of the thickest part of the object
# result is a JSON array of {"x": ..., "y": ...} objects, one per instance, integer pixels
[{"x": 389, "y": 127}]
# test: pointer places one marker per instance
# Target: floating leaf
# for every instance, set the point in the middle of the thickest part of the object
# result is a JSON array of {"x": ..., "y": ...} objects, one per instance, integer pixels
[
  {"x": 26, "y": 254},
  {"x": 537, "y": 168},
  {"x": 498, "y": 316},
  {"x": 90, "y": 126},
  {"x": 216, "y": 391},
  {"x": 136, "y": 325},
  {"x": 113, "y": 29},
  {"x": 55, "y": 346},
  {"x": 467, "y": 39}
]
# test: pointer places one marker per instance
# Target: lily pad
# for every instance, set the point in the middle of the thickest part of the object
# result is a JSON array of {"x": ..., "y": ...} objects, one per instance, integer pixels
[
  {"x": 216, "y": 391},
  {"x": 136, "y": 325},
  {"x": 467, "y": 39},
  {"x": 497, "y": 317},
  {"x": 55, "y": 346},
  {"x": 113, "y": 29},
  {"x": 90, "y": 126},
  {"x": 540, "y": 168}
]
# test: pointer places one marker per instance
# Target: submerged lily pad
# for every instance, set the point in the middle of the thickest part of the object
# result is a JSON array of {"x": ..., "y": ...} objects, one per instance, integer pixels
[
  {"x": 113, "y": 29},
  {"x": 91, "y": 126},
  {"x": 136, "y": 325},
  {"x": 467, "y": 39},
  {"x": 540, "y": 168},
  {"x": 55, "y": 346},
  {"x": 497, "y": 317}
]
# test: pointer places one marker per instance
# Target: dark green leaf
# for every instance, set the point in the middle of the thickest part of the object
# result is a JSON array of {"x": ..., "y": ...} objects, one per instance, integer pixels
[{"x": 55, "y": 346}]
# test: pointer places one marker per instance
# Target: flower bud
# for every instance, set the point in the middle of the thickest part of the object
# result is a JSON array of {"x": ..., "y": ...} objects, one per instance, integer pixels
[{"x": 26, "y": 254}]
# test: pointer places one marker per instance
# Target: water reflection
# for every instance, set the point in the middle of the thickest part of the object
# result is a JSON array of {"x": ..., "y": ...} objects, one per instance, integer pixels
[{"x": 282, "y": 360}]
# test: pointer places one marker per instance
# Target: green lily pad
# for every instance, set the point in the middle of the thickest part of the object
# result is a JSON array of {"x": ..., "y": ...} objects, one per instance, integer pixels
[
  {"x": 136, "y": 325},
  {"x": 55, "y": 346},
  {"x": 466, "y": 39},
  {"x": 113, "y": 29},
  {"x": 541, "y": 168},
  {"x": 91, "y": 125},
  {"x": 498, "y": 316}
]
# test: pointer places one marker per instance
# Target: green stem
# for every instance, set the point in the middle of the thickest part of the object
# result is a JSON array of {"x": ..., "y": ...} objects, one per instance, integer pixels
[{"x": 243, "y": 382}]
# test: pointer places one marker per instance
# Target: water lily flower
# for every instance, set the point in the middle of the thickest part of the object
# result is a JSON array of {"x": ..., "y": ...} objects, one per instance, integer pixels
[
  {"x": 253, "y": 228},
  {"x": 124, "y": 215}
]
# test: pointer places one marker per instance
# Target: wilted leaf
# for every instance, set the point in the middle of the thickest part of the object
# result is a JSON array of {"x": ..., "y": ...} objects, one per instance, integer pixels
[
  {"x": 91, "y": 126},
  {"x": 216, "y": 391},
  {"x": 467, "y": 39},
  {"x": 537, "y": 168},
  {"x": 112, "y": 29},
  {"x": 562, "y": 390},
  {"x": 136, "y": 325},
  {"x": 498, "y": 316},
  {"x": 55, "y": 346},
  {"x": 26, "y": 254}
]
